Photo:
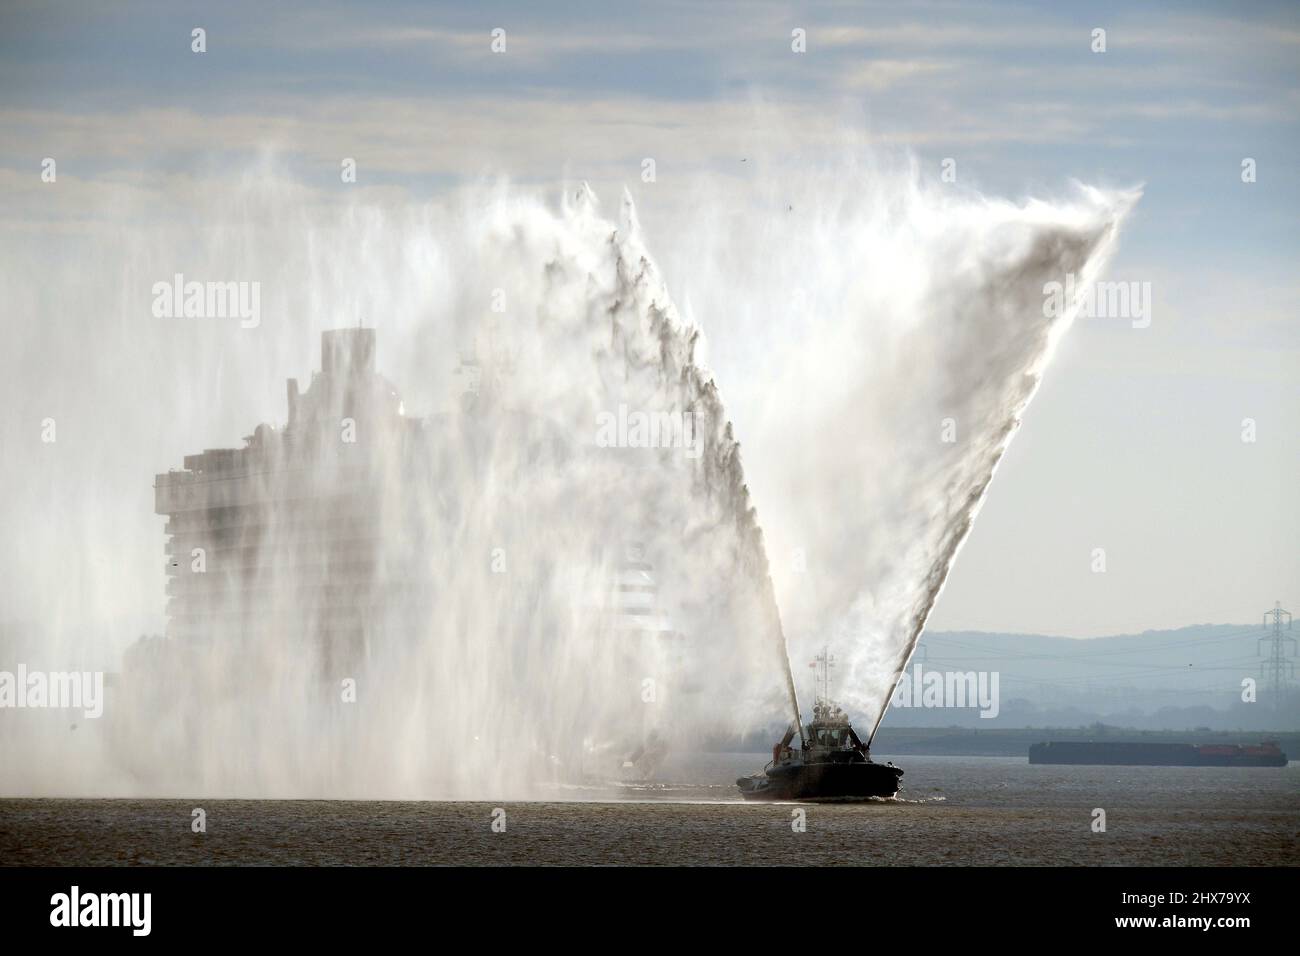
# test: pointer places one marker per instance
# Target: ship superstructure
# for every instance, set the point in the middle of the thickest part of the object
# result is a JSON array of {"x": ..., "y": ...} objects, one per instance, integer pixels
[
  {"x": 649, "y": 660},
  {"x": 282, "y": 537},
  {"x": 339, "y": 542}
]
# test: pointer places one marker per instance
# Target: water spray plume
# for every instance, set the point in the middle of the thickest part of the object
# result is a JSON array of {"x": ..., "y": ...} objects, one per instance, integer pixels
[
  {"x": 894, "y": 334},
  {"x": 482, "y": 650}
]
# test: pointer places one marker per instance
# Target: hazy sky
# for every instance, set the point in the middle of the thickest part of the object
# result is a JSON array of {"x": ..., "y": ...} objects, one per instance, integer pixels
[{"x": 1134, "y": 443}]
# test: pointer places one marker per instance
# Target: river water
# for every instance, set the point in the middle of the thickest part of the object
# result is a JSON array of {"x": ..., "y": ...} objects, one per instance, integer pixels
[{"x": 952, "y": 810}]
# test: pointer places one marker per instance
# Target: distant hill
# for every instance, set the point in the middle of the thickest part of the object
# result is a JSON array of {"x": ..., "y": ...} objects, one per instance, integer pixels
[{"x": 1177, "y": 680}]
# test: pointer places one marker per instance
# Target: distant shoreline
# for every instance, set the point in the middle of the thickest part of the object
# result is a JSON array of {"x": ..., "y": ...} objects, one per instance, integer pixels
[{"x": 1015, "y": 741}]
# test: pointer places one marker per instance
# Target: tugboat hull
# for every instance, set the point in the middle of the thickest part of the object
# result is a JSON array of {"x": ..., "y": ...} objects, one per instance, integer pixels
[{"x": 821, "y": 782}]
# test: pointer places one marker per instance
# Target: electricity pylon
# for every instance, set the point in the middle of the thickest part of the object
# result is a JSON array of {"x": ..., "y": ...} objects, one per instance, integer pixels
[{"x": 1277, "y": 668}]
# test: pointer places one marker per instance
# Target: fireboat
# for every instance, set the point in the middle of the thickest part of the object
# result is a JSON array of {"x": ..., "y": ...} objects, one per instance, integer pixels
[{"x": 831, "y": 764}]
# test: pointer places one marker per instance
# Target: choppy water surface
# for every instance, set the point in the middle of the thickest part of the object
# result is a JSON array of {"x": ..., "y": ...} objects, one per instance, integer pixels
[{"x": 952, "y": 811}]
